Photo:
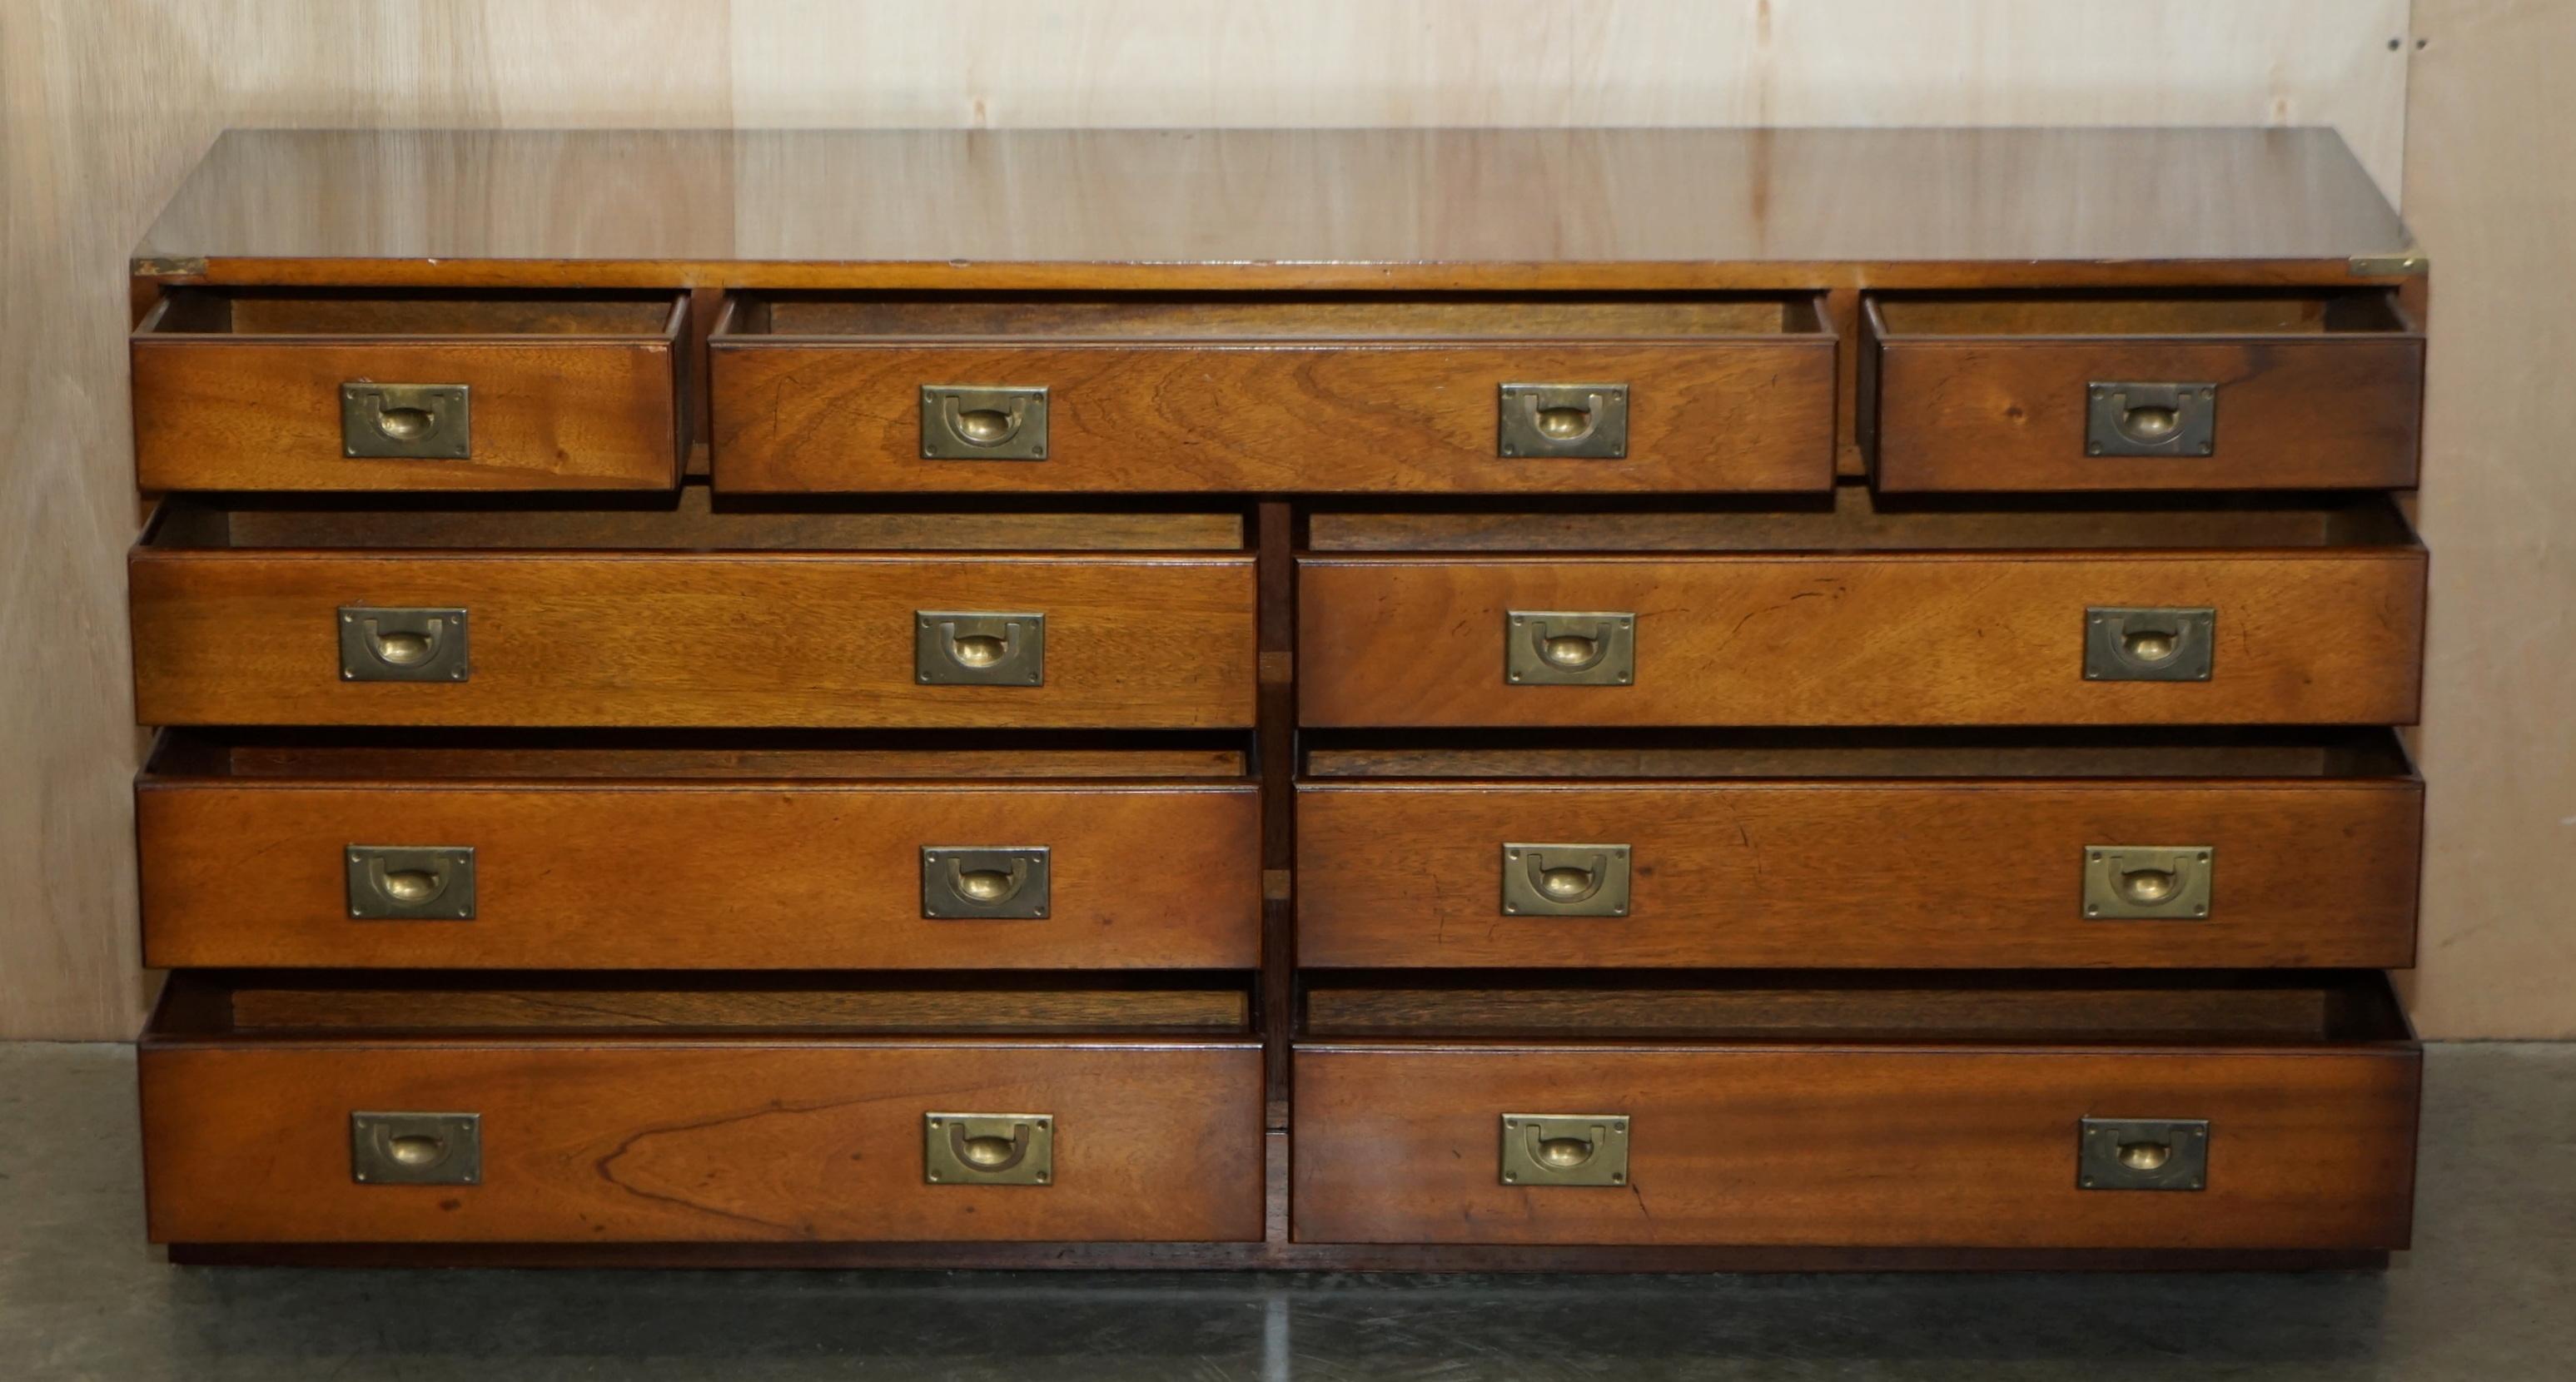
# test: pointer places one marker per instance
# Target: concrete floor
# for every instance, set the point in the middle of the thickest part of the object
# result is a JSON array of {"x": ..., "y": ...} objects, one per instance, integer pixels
[{"x": 2489, "y": 1294}]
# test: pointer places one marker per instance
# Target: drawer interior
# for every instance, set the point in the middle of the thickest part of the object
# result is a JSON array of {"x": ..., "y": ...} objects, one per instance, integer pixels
[
  {"x": 2196, "y": 1008},
  {"x": 692, "y": 520},
  {"x": 1261, "y": 316},
  {"x": 2146, "y": 752},
  {"x": 729, "y": 755},
  {"x": 315, "y": 312},
  {"x": 2316, "y": 313},
  {"x": 223, "y": 1004},
  {"x": 1853, "y": 519}
]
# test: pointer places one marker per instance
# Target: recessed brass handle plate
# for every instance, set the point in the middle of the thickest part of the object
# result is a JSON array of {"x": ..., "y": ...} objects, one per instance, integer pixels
[
  {"x": 1565, "y": 1149},
  {"x": 2152, "y": 882},
  {"x": 1555, "y": 647},
  {"x": 2150, "y": 419},
  {"x": 974, "y": 422},
  {"x": 1562, "y": 420},
  {"x": 2149, "y": 644},
  {"x": 988, "y": 1148},
  {"x": 385, "y": 644},
  {"x": 2142, "y": 1154},
  {"x": 416, "y": 1148},
  {"x": 410, "y": 883},
  {"x": 419, "y": 422},
  {"x": 984, "y": 883},
  {"x": 1565, "y": 880},
  {"x": 978, "y": 649}
]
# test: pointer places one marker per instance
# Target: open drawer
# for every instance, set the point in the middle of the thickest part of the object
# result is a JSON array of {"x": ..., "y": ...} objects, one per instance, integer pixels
[
  {"x": 308, "y": 389},
  {"x": 688, "y": 616},
  {"x": 1859, "y": 849},
  {"x": 1877, "y": 1111},
  {"x": 1257, "y": 392},
  {"x": 517, "y": 851},
  {"x": 2316, "y": 389},
  {"x": 2210, "y": 612},
  {"x": 614, "y": 1112}
]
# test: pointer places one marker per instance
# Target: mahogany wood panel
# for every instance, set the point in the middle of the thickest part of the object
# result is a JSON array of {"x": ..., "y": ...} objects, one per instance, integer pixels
[
  {"x": 802, "y": 874},
  {"x": 1277, "y": 415},
  {"x": 1961, "y": 872},
  {"x": 2332, "y": 411},
  {"x": 996, "y": 1004},
  {"x": 1857, "y": 1146},
  {"x": 1891, "y": 638},
  {"x": 780, "y": 639},
  {"x": 247, "y": 412},
  {"x": 645, "y": 1140}
]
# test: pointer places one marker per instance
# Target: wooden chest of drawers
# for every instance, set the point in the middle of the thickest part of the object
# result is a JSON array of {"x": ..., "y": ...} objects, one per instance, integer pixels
[{"x": 1793, "y": 711}]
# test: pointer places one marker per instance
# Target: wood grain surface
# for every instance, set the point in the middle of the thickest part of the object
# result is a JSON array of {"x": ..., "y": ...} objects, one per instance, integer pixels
[
  {"x": 1959, "y": 872},
  {"x": 262, "y": 412},
  {"x": 1278, "y": 415},
  {"x": 1973, "y": 1146},
  {"x": 803, "y": 874},
  {"x": 1892, "y": 638},
  {"x": 785, "y": 639},
  {"x": 645, "y": 1140}
]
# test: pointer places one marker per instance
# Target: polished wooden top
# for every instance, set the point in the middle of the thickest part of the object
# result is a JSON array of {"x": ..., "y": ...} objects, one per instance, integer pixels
[{"x": 1424, "y": 208}]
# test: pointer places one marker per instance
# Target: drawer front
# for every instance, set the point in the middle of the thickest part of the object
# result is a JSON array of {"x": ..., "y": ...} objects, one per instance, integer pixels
[
  {"x": 671, "y": 1142},
  {"x": 218, "y": 414},
  {"x": 1333, "y": 418},
  {"x": 1886, "y": 1147},
  {"x": 1985, "y": 415},
  {"x": 1893, "y": 639},
  {"x": 626, "y": 875},
  {"x": 1961, "y": 873},
  {"x": 252, "y": 638}
]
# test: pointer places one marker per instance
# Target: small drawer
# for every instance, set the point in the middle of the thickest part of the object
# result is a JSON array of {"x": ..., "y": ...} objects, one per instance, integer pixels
[
  {"x": 1853, "y": 851},
  {"x": 686, "y": 618},
  {"x": 2300, "y": 390},
  {"x": 275, "y": 389},
  {"x": 604, "y": 1115},
  {"x": 496, "y": 851},
  {"x": 1457, "y": 394},
  {"x": 2209, "y": 615},
  {"x": 1876, "y": 1114}
]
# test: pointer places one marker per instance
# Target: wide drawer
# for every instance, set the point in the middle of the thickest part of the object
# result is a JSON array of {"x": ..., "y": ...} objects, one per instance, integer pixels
[
  {"x": 2312, "y": 390},
  {"x": 2268, "y": 616},
  {"x": 1872, "y": 1118},
  {"x": 503, "y": 852},
  {"x": 305, "y": 618},
  {"x": 1823, "y": 851},
  {"x": 739, "y": 1117},
  {"x": 259, "y": 389},
  {"x": 1322, "y": 394}
]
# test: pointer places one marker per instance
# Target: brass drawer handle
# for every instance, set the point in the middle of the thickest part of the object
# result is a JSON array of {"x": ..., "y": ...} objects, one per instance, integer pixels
[
  {"x": 2158, "y": 644},
  {"x": 2142, "y": 1154},
  {"x": 978, "y": 649},
  {"x": 1554, "y": 647},
  {"x": 2150, "y": 419},
  {"x": 411, "y": 883},
  {"x": 430, "y": 422},
  {"x": 380, "y": 644},
  {"x": 988, "y": 1148},
  {"x": 983, "y": 422},
  {"x": 1562, "y": 420},
  {"x": 416, "y": 1148},
  {"x": 1565, "y": 880},
  {"x": 2158, "y": 882},
  {"x": 984, "y": 882},
  {"x": 1565, "y": 1149}
]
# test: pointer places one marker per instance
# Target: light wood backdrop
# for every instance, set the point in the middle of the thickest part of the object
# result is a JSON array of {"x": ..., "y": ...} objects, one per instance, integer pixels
[{"x": 108, "y": 101}]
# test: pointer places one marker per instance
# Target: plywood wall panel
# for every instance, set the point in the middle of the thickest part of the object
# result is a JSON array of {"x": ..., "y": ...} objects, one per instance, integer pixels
[
  {"x": 108, "y": 101},
  {"x": 2488, "y": 151}
]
